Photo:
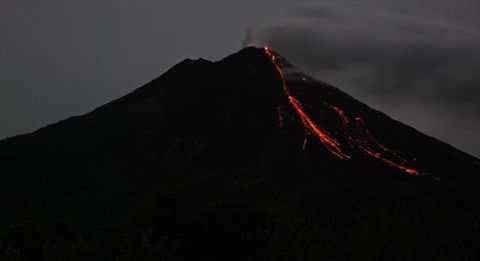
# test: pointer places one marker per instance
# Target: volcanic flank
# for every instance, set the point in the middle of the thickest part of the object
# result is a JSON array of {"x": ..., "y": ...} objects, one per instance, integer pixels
[
  {"x": 363, "y": 142},
  {"x": 185, "y": 150}
]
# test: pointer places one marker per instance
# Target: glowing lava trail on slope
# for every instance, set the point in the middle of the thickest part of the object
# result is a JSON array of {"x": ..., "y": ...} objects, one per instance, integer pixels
[
  {"x": 351, "y": 133},
  {"x": 331, "y": 144}
]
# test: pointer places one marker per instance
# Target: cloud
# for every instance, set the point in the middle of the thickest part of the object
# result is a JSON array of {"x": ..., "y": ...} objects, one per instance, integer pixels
[{"x": 416, "y": 64}]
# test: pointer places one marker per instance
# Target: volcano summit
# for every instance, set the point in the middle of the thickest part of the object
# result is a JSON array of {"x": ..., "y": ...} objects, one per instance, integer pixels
[{"x": 214, "y": 157}]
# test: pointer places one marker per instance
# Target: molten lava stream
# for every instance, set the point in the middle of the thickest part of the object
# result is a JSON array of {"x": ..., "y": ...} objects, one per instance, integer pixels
[{"x": 330, "y": 143}]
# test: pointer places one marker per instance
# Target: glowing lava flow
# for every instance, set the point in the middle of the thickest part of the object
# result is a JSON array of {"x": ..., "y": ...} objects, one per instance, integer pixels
[
  {"x": 340, "y": 113},
  {"x": 355, "y": 133},
  {"x": 331, "y": 144}
]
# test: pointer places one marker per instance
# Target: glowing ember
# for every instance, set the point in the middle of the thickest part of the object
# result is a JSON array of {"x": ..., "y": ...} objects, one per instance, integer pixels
[
  {"x": 355, "y": 133},
  {"x": 340, "y": 113},
  {"x": 305, "y": 142}
]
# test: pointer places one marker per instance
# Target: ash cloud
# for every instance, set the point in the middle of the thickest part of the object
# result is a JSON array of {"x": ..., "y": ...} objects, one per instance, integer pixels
[{"x": 417, "y": 62}]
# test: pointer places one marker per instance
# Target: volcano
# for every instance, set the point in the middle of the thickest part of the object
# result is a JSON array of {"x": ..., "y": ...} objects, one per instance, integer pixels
[{"x": 218, "y": 146}]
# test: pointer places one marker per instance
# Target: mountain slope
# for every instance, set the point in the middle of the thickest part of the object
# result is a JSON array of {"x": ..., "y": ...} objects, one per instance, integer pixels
[
  {"x": 249, "y": 130},
  {"x": 349, "y": 127}
]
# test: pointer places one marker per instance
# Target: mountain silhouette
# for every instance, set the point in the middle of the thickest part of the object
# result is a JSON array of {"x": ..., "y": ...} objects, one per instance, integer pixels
[{"x": 209, "y": 149}]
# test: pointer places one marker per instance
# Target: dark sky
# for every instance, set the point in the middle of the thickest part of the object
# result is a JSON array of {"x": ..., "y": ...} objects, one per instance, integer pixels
[{"x": 416, "y": 60}]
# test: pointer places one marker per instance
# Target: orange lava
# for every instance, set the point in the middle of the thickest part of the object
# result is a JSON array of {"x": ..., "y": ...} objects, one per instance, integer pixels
[
  {"x": 390, "y": 162},
  {"x": 366, "y": 145},
  {"x": 340, "y": 113},
  {"x": 331, "y": 144}
]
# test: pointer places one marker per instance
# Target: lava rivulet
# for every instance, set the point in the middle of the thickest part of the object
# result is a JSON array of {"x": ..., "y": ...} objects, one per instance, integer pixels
[
  {"x": 338, "y": 132},
  {"x": 331, "y": 144}
]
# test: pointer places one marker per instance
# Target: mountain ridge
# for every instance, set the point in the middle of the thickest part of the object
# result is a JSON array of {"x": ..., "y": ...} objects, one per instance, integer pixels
[
  {"x": 214, "y": 146},
  {"x": 199, "y": 61}
]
